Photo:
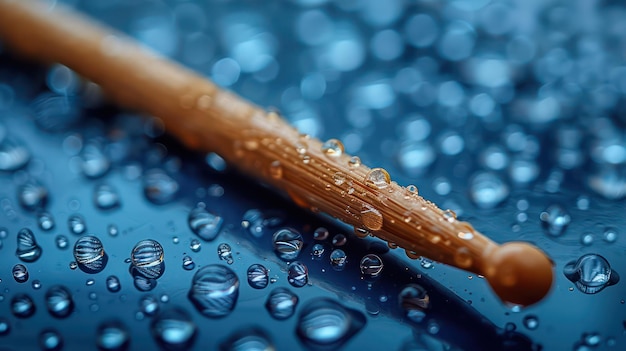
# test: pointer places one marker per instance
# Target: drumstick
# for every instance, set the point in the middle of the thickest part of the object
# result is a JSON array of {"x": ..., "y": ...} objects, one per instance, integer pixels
[{"x": 316, "y": 175}]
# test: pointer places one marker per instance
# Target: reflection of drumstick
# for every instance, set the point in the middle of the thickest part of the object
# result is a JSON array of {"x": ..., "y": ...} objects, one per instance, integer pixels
[{"x": 316, "y": 175}]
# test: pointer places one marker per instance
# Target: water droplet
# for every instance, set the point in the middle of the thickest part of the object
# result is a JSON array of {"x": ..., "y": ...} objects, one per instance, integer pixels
[
  {"x": 173, "y": 329},
  {"x": 112, "y": 336},
  {"x": 610, "y": 235},
  {"x": 354, "y": 162},
  {"x": 33, "y": 196},
  {"x": 112, "y": 230},
  {"x": 27, "y": 248},
  {"x": 61, "y": 241},
  {"x": 50, "y": 340},
  {"x": 320, "y": 233},
  {"x": 531, "y": 322},
  {"x": 339, "y": 240},
  {"x": 415, "y": 301},
  {"x": 149, "y": 305},
  {"x": 339, "y": 178},
  {"x": 175, "y": 240},
  {"x": 555, "y": 219},
  {"x": 224, "y": 252},
  {"x": 214, "y": 290},
  {"x": 143, "y": 283},
  {"x": 258, "y": 276},
  {"x": 20, "y": 273},
  {"x": 95, "y": 162},
  {"x": 22, "y": 306},
  {"x": 5, "y": 326},
  {"x": 338, "y": 259},
  {"x": 298, "y": 274},
  {"x": 256, "y": 221},
  {"x": 77, "y": 224},
  {"x": 59, "y": 301},
  {"x": 188, "y": 263},
  {"x": 281, "y": 303},
  {"x": 426, "y": 263},
  {"x": 45, "y": 221},
  {"x": 4, "y": 232},
  {"x": 377, "y": 178},
  {"x": 147, "y": 258},
  {"x": 105, "y": 197},
  {"x": 333, "y": 148},
  {"x": 317, "y": 251},
  {"x": 276, "y": 170},
  {"x": 371, "y": 265},
  {"x": 73, "y": 265},
  {"x": 204, "y": 224},
  {"x": 371, "y": 218},
  {"x": 89, "y": 254},
  {"x": 36, "y": 284},
  {"x": 324, "y": 322},
  {"x": 158, "y": 187},
  {"x": 590, "y": 273},
  {"x": 487, "y": 190},
  {"x": 13, "y": 155},
  {"x": 113, "y": 284},
  {"x": 248, "y": 340},
  {"x": 465, "y": 235},
  {"x": 587, "y": 239},
  {"x": 287, "y": 243},
  {"x": 463, "y": 258},
  {"x": 195, "y": 245}
]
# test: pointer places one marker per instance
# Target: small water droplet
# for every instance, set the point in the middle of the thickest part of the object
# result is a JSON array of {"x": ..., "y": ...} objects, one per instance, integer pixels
[
  {"x": 276, "y": 170},
  {"x": 175, "y": 240},
  {"x": 214, "y": 290},
  {"x": 224, "y": 252},
  {"x": 45, "y": 221},
  {"x": 465, "y": 235},
  {"x": 5, "y": 326},
  {"x": 338, "y": 259},
  {"x": 36, "y": 284},
  {"x": 487, "y": 190},
  {"x": 77, "y": 224},
  {"x": 20, "y": 273},
  {"x": 204, "y": 224},
  {"x": 306, "y": 159},
  {"x": 27, "y": 248},
  {"x": 320, "y": 233},
  {"x": 371, "y": 265},
  {"x": 339, "y": 178},
  {"x": 587, "y": 239},
  {"x": 377, "y": 178},
  {"x": 173, "y": 329},
  {"x": 188, "y": 263},
  {"x": 317, "y": 251},
  {"x": 281, "y": 303},
  {"x": 113, "y": 284},
  {"x": 339, "y": 240},
  {"x": 590, "y": 273},
  {"x": 105, "y": 197},
  {"x": 158, "y": 187},
  {"x": 531, "y": 322},
  {"x": 333, "y": 148},
  {"x": 371, "y": 217},
  {"x": 298, "y": 274},
  {"x": 95, "y": 162},
  {"x": 354, "y": 162},
  {"x": 361, "y": 232},
  {"x": 147, "y": 258},
  {"x": 258, "y": 276},
  {"x": 195, "y": 245},
  {"x": 13, "y": 155},
  {"x": 73, "y": 265},
  {"x": 415, "y": 301},
  {"x": 426, "y": 263},
  {"x": 59, "y": 301},
  {"x": 610, "y": 235},
  {"x": 89, "y": 254},
  {"x": 61, "y": 241},
  {"x": 112, "y": 336},
  {"x": 149, "y": 305},
  {"x": 287, "y": 243},
  {"x": 555, "y": 219},
  {"x": 324, "y": 322},
  {"x": 112, "y": 230},
  {"x": 22, "y": 306},
  {"x": 32, "y": 196},
  {"x": 50, "y": 340}
]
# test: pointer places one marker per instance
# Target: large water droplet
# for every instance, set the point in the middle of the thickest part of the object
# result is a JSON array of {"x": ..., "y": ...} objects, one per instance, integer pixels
[
  {"x": 371, "y": 265},
  {"x": 214, "y": 290},
  {"x": 147, "y": 258},
  {"x": 555, "y": 219},
  {"x": 22, "y": 306},
  {"x": 159, "y": 187},
  {"x": 13, "y": 155},
  {"x": 298, "y": 274},
  {"x": 248, "y": 340},
  {"x": 324, "y": 322},
  {"x": 27, "y": 248},
  {"x": 89, "y": 254},
  {"x": 20, "y": 273},
  {"x": 591, "y": 273},
  {"x": 415, "y": 302},
  {"x": 50, "y": 340},
  {"x": 281, "y": 303},
  {"x": 258, "y": 276},
  {"x": 77, "y": 224},
  {"x": 287, "y": 243},
  {"x": 112, "y": 336},
  {"x": 105, "y": 197},
  {"x": 32, "y": 196},
  {"x": 204, "y": 224},
  {"x": 173, "y": 329},
  {"x": 333, "y": 148},
  {"x": 95, "y": 162},
  {"x": 59, "y": 301},
  {"x": 377, "y": 178}
]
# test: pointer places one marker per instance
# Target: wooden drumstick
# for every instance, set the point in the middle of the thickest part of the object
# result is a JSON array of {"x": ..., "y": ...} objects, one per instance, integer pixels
[{"x": 318, "y": 176}]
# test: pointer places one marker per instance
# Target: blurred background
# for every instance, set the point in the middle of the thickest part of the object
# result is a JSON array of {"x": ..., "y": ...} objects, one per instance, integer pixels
[{"x": 510, "y": 113}]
